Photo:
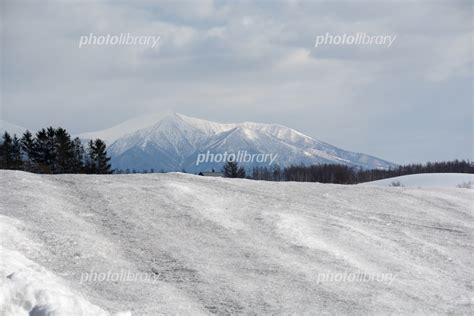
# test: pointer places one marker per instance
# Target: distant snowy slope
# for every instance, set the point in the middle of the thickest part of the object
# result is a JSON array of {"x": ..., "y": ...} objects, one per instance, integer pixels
[
  {"x": 428, "y": 180},
  {"x": 12, "y": 128},
  {"x": 172, "y": 142},
  {"x": 231, "y": 246},
  {"x": 110, "y": 135}
]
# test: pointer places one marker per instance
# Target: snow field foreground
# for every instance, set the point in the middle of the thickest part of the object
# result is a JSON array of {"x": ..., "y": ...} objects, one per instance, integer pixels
[{"x": 181, "y": 244}]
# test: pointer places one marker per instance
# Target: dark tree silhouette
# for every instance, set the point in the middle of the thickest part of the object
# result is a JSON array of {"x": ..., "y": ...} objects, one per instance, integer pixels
[
  {"x": 98, "y": 160},
  {"x": 52, "y": 151},
  {"x": 17, "y": 162},
  {"x": 64, "y": 152},
  {"x": 6, "y": 151},
  {"x": 232, "y": 170},
  {"x": 27, "y": 149},
  {"x": 341, "y": 174}
]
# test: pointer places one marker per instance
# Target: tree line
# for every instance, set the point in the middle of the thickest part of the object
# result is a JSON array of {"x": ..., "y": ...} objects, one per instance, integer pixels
[
  {"x": 52, "y": 150},
  {"x": 336, "y": 173},
  {"x": 342, "y": 174}
]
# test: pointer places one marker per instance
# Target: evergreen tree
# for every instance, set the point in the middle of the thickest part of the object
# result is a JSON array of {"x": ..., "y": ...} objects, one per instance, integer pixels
[
  {"x": 78, "y": 155},
  {"x": 90, "y": 164},
  {"x": 103, "y": 166},
  {"x": 64, "y": 152},
  {"x": 43, "y": 154},
  {"x": 98, "y": 160},
  {"x": 27, "y": 151},
  {"x": 51, "y": 152},
  {"x": 232, "y": 170},
  {"x": 27, "y": 145},
  {"x": 6, "y": 155},
  {"x": 17, "y": 162}
]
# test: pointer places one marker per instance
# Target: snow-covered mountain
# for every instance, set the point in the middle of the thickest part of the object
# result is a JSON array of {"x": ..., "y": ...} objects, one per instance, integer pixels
[
  {"x": 12, "y": 129},
  {"x": 174, "y": 141}
]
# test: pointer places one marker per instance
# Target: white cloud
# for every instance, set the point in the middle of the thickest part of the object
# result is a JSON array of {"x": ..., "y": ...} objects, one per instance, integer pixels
[{"x": 254, "y": 60}]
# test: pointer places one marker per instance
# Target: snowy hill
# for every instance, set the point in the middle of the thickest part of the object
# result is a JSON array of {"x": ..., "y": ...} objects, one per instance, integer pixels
[
  {"x": 12, "y": 128},
  {"x": 173, "y": 142},
  {"x": 428, "y": 180},
  {"x": 221, "y": 246}
]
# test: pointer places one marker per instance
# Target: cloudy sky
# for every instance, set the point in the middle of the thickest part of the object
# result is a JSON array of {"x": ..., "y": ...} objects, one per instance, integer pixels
[{"x": 236, "y": 61}]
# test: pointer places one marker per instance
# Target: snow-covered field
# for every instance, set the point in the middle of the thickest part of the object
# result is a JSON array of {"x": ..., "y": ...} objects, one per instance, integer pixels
[
  {"x": 208, "y": 245},
  {"x": 429, "y": 180}
]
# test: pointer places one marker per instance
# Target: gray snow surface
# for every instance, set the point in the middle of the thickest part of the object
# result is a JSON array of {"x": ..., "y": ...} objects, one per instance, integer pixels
[{"x": 231, "y": 246}]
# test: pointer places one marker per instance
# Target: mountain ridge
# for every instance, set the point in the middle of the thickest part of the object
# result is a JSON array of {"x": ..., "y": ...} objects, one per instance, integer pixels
[{"x": 171, "y": 142}]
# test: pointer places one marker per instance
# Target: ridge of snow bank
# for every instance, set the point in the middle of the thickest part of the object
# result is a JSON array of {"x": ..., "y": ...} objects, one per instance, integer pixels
[
  {"x": 29, "y": 289},
  {"x": 428, "y": 180}
]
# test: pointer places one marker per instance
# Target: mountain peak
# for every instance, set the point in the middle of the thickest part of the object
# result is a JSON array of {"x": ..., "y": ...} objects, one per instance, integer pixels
[
  {"x": 110, "y": 135},
  {"x": 171, "y": 141}
]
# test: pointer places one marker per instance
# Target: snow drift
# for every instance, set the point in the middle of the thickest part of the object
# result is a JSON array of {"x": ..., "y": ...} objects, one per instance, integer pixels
[
  {"x": 231, "y": 246},
  {"x": 462, "y": 180}
]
